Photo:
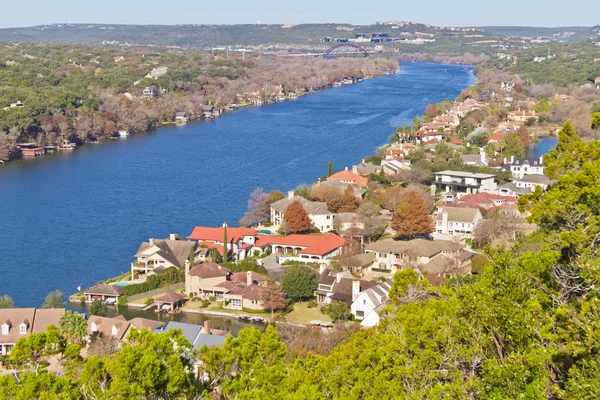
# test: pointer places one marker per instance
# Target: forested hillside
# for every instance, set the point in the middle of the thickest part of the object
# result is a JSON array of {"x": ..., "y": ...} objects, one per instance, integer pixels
[
  {"x": 83, "y": 93},
  {"x": 525, "y": 327}
]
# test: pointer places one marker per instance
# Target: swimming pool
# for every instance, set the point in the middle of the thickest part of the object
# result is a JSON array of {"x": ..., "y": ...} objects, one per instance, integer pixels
[{"x": 121, "y": 284}]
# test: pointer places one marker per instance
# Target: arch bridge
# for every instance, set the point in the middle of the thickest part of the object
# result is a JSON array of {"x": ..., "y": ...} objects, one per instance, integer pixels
[{"x": 360, "y": 49}]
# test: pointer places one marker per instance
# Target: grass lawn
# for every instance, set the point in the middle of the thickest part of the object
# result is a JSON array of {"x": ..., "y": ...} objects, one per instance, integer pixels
[
  {"x": 216, "y": 307},
  {"x": 303, "y": 315}
]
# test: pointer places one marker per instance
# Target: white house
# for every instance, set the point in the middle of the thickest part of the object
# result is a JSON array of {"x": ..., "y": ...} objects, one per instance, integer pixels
[
  {"x": 465, "y": 182},
  {"x": 457, "y": 221},
  {"x": 532, "y": 181},
  {"x": 521, "y": 166},
  {"x": 317, "y": 211},
  {"x": 367, "y": 301}
]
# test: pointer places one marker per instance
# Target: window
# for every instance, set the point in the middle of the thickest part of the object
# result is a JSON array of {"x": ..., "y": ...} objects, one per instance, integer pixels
[
  {"x": 236, "y": 302},
  {"x": 360, "y": 313},
  {"x": 254, "y": 303},
  {"x": 114, "y": 330},
  {"x": 5, "y": 329},
  {"x": 364, "y": 302},
  {"x": 329, "y": 217},
  {"x": 23, "y": 329}
]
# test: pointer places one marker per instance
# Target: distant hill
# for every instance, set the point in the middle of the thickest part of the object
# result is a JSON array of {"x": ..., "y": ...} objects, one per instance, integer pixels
[
  {"x": 568, "y": 33},
  {"x": 204, "y": 36}
]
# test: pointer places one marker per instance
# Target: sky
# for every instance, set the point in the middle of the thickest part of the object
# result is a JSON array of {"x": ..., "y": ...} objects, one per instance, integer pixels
[{"x": 172, "y": 12}]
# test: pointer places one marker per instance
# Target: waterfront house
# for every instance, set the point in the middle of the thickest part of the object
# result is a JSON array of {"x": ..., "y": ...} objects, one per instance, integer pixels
[
  {"x": 522, "y": 166},
  {"x": 465, "y": 182},
  {"x": 207, "y": 111},
  {"x": 456, "y": 221},
  {"x": 339, "y": 286},
  {"x": 349, "y": 178},
  {"x": 170, "y": 301},
  {"x": 392, "y": 256},
  {"x": 317, "y": 211},
  {"x": 306, "y": 248},
  {"x": 398, "y": 151},
  {"x": 204, "y": 279},
  {"x": 16, "y": 323},
  {"x": 245, "y": 293},
  {"x": 366, "y": 168},
  {"x": 107, "y": 293},
  {"x": 369, "y": 301},
  {"x": 166, "y": 253},
  {"x": 181, "y": 117},
  {"x": 239, "y": 240}
]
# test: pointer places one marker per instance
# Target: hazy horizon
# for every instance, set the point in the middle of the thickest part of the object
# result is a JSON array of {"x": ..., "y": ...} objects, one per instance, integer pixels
[{"x": 469, "y": 13}]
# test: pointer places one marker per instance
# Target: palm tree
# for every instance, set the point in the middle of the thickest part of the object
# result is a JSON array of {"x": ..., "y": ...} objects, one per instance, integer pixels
[{"x": 74, "y": 326}]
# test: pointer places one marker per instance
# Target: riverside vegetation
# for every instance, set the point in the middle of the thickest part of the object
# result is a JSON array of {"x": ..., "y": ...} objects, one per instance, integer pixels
[
  {"x": 526, "y": 326},
  {"x": 82, "y": 93}
]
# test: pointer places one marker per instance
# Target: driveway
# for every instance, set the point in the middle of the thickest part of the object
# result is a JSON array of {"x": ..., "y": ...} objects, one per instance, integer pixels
[{"x": 270, "y": 264}]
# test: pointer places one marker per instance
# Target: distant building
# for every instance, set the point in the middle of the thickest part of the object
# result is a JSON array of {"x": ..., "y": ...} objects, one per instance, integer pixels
[
  {"x": 17, "y": 323},
  {"x": 480, "y": 160},
  {"x": 317, "y": 211},
  {"x": 457, "y": 221},
  {"x": 521, "y": 166},
  {"x": 465, "y": 182}
]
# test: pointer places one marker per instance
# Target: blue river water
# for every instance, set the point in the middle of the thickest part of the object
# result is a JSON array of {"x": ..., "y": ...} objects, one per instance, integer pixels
[{"x": 78, "y": 218}]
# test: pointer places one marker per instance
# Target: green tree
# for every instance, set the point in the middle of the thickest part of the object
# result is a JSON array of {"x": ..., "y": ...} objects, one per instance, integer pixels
[
  {"x": 596, "y": 120},
  {"x": 275, "y": 195},
  {"x": 330, "y": 168},
  {"x": 299, "y": 282},
  {"x": 98, "y": 308},
  {"x": 337, "y": 310},
  {"x": 55, "y": 299},
  {"x": 512, "y": 145},
  {"x": 6, "y": 302}
]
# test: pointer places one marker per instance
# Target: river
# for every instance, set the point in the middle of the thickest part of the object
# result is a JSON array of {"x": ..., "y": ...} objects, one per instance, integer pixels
[{"x": 78, "y": 218}]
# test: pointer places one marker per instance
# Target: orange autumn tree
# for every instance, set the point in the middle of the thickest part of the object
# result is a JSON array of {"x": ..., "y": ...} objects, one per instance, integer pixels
[
  {"x": 349, "y": 201},
  {"x": 295, "y": 219},
  {"x": 412, "y": 218}
]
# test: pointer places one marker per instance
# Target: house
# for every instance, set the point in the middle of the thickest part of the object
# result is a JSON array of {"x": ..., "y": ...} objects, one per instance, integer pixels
[
  {"x": 306, "y": 248},
  {"x": 207, "y": 111},
  {"x": 245, "y": 293},
  {"x": 194, "y": 334},
  {"x": 358, "y": 191},
  {"x": 457, "y": 221},
  {"x": 349, "y": 178},
  {"x": 480, "y": 160},
  {"x": 157, "y": 72},
  {"x": 107, "y": 293},
  {"x": 521, "y": 116},
  {"x": 348, "y": 221},
  {"x": 203, "y": 279},
  {"x": 170, "y": 301},
  {"x": 522, "y": 166},
  {"x": 181, "y": 117},
  {"x": 485, "y": 200},
  {"x": 339, "y": 286},
  {"x": 166, "y": 253},
  {"x": 14, "y": 105},
  {"x": 16, "y": 323},
  {"x": 465, "y": 182},
  {"x": 317, "y": 211},
  {"x": 366, "y": 168},
  {"x": 530, "y": 182},
  {"x": 239, "y": 240},
  {"x": 393, "y": 167},
  {"x": 398, "y": 151},
  {"x": 507, "y": 86},
  {"x": 369, "y": 301},
  {"x": 149, "y": 92},
  {"x": 392, "y": 256},
  {"x": 110, "y": 327}
]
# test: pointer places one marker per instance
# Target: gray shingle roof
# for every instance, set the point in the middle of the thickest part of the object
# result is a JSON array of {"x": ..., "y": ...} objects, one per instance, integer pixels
[
  {"x": 175, "y": 251},
  {"x": 458, "y": 214},
  {"x": 415, "y": 247}
]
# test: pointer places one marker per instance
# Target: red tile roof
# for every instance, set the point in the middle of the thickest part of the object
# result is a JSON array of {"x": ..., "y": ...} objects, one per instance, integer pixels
[
  {"x": 318, "y": 245},
  {"x": 216, "y": 234},
  {"x": 349, "y": 176},
  {"x": 432, "y": 141},
  {"x": 496, "y": 137},
  {"x": 211, "y": 245}
]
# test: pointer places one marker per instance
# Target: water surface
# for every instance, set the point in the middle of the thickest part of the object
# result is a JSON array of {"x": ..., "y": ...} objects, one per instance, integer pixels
[{"x": 70, "y": 219}]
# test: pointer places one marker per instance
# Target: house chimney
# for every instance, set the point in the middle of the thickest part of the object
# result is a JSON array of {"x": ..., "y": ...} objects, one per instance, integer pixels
[
  {"x": 363, "y": 161},
  {"x": 338, "y": 277},
  {"x": 542, "y": 160},
  {"x": 290, "y": 194},
  {"x": 322, "y": 268},
  {"x": 355, "y": 289},
  {"x": 512, "y": 159},
  {"x": 505, "y": 160},
  {"x": 355, "y": 169},
  {"x": 187, "y": 267},
  {"x": 249, "y": 278},
  {"x": 172, "y": 236},
  {"x": 151, "y": 240},
  {"x": 224, "y": 224},
  {"x": 482, "y": 155},
  {"x": 346, "y": 169},
  {"x": 207, "y": 327}
]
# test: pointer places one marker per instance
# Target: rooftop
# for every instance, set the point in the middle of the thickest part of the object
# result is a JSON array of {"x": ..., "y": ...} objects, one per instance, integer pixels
[
  {"x": 458, "y": 214},
  {"x": 463, "y": 174},
  {"x": 416, "y": 247},
  {"x": 217, "y": 234},
  {"x": 312, "y": 244}
]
